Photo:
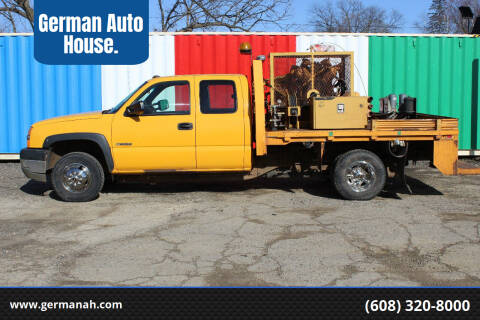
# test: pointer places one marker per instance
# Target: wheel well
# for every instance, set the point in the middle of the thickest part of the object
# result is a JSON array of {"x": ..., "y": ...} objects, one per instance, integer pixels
[
  {"x": 334, "y": 149},
  {"x": 61, "y": 148},
  {"x": 417, "y": 150}
]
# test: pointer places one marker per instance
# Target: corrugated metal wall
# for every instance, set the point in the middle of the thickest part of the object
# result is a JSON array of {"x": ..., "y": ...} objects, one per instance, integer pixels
[
  {"x": 118, "y": 81},
  {"x": 356, "y": 43},
  {"x": 442, "y": 72},
  {"x": 30, "y": 91},
  {"x": 197, "y": 54}
]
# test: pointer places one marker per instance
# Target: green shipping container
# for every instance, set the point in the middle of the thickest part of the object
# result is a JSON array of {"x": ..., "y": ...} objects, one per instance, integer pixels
[{"x": 441, "y": 72}]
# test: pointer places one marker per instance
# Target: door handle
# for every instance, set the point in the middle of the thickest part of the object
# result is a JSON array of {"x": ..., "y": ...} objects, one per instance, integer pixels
[{"x": 185, "y": 126}]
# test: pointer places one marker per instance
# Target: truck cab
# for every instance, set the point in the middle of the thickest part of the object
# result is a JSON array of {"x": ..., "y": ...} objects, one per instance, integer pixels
[{"x": 191, "y": 123}]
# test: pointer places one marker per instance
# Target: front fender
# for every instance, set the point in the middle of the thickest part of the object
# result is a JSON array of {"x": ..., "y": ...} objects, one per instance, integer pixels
[{"x": 97, "y": 138}]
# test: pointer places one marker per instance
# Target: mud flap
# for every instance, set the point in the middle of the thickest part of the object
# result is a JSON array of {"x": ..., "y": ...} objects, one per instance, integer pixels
[{"x": 445, "y": 156}]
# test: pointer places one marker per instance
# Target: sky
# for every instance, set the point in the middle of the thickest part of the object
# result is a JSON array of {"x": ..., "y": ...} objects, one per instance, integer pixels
[{"x": 412, "y": 10}]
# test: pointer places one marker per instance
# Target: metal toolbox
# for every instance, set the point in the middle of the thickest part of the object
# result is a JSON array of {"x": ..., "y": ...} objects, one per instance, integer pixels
[{"x": 339, "y": 112}]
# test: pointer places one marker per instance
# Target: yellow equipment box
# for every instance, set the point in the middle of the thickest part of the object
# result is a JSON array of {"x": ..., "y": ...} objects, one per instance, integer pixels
[{"x": 340, "y": 112}]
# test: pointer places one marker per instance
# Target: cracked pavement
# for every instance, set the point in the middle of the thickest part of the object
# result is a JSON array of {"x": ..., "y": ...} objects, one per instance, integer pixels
[{"x": 269, "y": 232}]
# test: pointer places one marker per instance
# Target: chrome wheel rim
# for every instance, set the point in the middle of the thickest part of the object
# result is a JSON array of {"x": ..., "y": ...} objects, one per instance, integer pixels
[
  {"x": 76, "y": 177},
  {"x": 360, "y": 176}
]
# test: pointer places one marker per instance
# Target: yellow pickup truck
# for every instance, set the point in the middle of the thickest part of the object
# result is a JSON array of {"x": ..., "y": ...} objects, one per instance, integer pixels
[{"x": 305, "y": 116}]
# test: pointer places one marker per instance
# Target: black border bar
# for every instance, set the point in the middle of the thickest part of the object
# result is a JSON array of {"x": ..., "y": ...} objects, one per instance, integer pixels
[{"x": 248, "y": 303}]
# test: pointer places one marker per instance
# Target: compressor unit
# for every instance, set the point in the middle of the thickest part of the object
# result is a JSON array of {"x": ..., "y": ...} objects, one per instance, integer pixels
[{"x": 315, "y": 91}]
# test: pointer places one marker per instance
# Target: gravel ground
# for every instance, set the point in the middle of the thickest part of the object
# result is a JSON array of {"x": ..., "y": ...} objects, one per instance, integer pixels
[{"x": 281, "y": 232}]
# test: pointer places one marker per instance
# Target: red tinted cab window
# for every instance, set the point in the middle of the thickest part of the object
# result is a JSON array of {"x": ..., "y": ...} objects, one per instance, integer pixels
[{"x": 218, "y": 96}]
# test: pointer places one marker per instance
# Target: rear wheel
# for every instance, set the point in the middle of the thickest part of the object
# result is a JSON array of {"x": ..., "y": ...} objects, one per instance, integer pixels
[
  {"x": 77, "y": 177},
  {"x": 359, "y": 175}
]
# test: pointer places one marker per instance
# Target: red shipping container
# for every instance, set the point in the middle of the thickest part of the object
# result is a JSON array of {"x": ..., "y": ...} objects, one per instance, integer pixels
[{"x": 220, "y": 54}]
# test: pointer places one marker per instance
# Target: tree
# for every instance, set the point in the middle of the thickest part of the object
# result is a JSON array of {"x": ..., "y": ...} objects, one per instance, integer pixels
[
  {"x": 353, "y": 16},
  {"x": 9, "y": 20},
  {"x": 21, "y": 8},
  {"x": 437, "y": 17},
  {"x": 455, "y": 21},
  {"x": 452, "y": 21},
  {"x": 231, "y": 15}
]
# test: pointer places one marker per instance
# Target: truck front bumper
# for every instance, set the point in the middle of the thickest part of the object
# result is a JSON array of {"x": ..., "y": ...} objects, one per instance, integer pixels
[{"x": 34, "y": 163}]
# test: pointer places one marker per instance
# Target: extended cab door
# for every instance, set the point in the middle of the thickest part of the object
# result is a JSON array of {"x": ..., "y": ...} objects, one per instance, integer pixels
[
  {"x": 163, "y": 138},
  {"x": 220, "y": 123}
]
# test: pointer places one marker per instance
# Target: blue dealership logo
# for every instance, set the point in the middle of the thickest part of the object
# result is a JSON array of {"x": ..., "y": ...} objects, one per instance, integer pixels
[{"x": 91, "y": 32}]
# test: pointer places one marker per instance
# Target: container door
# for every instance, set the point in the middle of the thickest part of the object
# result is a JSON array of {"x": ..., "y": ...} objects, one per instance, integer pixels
[
  {"x": 220, "y": 125},
  {"x": 163, "y": 138}
]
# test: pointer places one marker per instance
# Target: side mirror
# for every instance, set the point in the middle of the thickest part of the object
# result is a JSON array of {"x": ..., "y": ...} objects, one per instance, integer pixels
[
  {"x": 163, "y": 105},
  {"x": 135, "y": 109}
]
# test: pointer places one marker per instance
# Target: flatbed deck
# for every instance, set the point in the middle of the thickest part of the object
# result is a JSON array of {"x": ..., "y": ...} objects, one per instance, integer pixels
[{"x": 424, "y": 128}]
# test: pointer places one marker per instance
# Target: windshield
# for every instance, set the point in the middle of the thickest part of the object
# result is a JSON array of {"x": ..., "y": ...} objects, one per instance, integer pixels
[{"x": 120, "y": 104}]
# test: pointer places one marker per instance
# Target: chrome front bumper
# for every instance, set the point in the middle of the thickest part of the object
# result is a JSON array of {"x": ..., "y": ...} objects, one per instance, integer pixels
[{"x": 34, "y": 163}]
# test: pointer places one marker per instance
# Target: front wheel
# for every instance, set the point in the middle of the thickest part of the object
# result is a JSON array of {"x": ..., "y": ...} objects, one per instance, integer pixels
[
  {"x": 359, "y": 175},
  {"x": 77, "y": 177}
]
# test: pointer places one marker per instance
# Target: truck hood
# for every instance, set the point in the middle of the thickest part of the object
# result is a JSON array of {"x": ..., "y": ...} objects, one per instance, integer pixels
[{"x": 73, "y": 117}]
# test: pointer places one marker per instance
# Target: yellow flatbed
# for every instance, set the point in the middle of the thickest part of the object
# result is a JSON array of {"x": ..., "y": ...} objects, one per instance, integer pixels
[{"x": 442, "y": 131}]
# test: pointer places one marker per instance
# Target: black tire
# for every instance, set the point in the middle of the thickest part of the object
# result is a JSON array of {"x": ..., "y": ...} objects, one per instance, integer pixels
[
  {"x": 359, "y": 175},
  {"x": 331, "y": 167},
  {"x": 77, "y": 177}
]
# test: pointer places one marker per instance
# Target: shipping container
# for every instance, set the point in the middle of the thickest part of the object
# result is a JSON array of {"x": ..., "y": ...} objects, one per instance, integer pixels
[
  {"x": 31, "y": 91},
  {"x": 441, "y": 72}
]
